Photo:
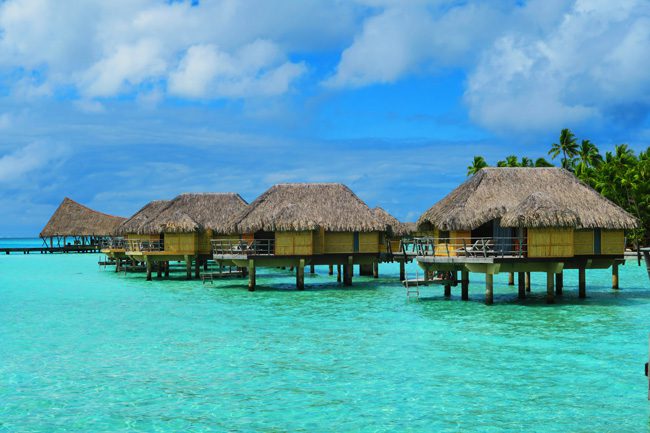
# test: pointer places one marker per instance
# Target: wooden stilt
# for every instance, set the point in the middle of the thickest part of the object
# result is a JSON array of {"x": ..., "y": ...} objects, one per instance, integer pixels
[
  {"x": 197, "y": 267},
  {"x": 118, "y": 264},
  {"x": 300, "y": 275},
  {"x": 550, "y": 293},
  {"x": 511, "y": 278},
  {"x": 489, "y": 286},
  {"x": 167, "y": 269},
  {"x": 188, "y": 267},
  {"x": 464, "y": 285},
  {"x": 582, "y": 283},
  {"x": 347, "y": 271},
  {"x": 205, "y": 264},
  {"x": 527, "y": 281},
  {"x": 312, "y": 269},
  {"x": 402, "y": 271},
  {"x": 159, "y": 269},
  {"x": 251, "y": 275},
  {"x": 521, "y": 285},
  {"x": 375, "y": 269},
  {"x": 149, "y": 264},
  {"x": 447, "y": 290},
  {"x": 615, "y": 276},
  {"x": 338, "y": 273},
  {"x": 330, "y": 270},
  {"x": 559, "y": 283}
]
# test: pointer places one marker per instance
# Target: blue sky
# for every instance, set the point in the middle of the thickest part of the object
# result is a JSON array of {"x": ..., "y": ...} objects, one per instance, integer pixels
[{"x": 117, "y": 103}]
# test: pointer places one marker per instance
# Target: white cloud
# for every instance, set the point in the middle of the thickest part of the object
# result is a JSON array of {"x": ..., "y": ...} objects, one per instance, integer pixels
[
  {"x": 15, "y": 165},
  {"x": 591, "y": 64}
]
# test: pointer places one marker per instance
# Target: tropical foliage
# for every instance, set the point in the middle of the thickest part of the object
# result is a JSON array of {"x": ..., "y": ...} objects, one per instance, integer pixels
[{"x": 621, "y": 175}]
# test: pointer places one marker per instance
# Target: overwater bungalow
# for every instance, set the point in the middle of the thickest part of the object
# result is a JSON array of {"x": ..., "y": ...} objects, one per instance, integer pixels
[
  {"x": 390, "y": 243},
  {"x": 128, "y": 231},
  {"x": 74, "y": 224},
  {"x": 304, "y": 224},
  {"x": 182, "y": 229},
  {"x": 521, "y": 220}
]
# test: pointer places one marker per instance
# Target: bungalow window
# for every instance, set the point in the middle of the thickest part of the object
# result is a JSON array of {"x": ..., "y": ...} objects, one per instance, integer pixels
[{"x": 443, "y": 236}]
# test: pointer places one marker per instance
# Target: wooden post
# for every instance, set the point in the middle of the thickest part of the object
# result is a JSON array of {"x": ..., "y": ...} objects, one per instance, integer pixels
[
  {"x": 197, "y": 267},
  {"x": 521, "y": 285},
  {"x": 312, "y": 269},
  {"x": 205, "y": 264},
  {"x": 464, "y": 285},
  {"x": 402, "y": 271},
  {"x": 489, "y": 286},
  {"x": 338, "y": 273},
  {"x": 527, "y": 281},
  {"x": 550, "y": 293},
  {"x": 347, "y": 271},
  {"x": 375, "y": 269},
  {"x": 447, "y": 290},
  {"x": 511, "y": 278},
  {"x": 559, "y": 283},
  {"x": 300, "y": 275},
  {"x": 582, "y": 283},
  {"x": 159, "y": 269},
  {"x": 251, "y": 275},
  {"x": 118, "y": 264},
  {"x": 330, "y": 270},
  {"x": 188, "y": 267},
  {"x": 615, "y": 276},
  {"x": 149, "y": 264},
  {"x": 167, "y": 269}
]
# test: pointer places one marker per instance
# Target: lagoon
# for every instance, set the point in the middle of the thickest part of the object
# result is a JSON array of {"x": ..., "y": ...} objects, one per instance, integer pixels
[{"x": 84, "y": 349}]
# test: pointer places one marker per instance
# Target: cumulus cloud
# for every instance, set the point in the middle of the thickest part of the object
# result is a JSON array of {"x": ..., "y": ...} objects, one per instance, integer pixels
[
  {"x": 590, "y": 66},
  {"x": 24, "y": 160}
]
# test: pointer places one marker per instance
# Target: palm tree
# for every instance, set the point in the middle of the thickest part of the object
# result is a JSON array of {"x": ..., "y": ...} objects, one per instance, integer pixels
[
  {"x": 541, "y": 162},
  {"x": 567, "y": 146},
  {"x": 588, "y": 157},
  {"x": 510, "y": 161},
  {"x": 527, "y": 162},
  {"x": 477, "y": 164}
]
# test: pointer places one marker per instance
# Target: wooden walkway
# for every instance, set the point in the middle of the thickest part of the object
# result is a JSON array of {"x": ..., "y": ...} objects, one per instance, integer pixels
[{"x": 50, "y": 250}]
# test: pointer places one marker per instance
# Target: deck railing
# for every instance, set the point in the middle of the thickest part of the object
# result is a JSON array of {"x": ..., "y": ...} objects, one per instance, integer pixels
[
  {"x": 113, "y": 244},
  {"x": 464, "y": 247},
  {"x": 144, "y": 246},
  {"x": 257, "y": 247}
]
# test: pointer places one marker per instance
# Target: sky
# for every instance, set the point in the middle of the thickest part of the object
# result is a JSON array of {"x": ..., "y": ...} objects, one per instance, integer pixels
[{"x": 114, "y": 104}]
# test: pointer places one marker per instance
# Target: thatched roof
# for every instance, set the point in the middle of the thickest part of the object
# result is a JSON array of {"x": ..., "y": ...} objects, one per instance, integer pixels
[
  {"x": 492, "y": 192},
  {"x": 410, "y": 227},
  {"x": 141, "y": 217},
  {"x": 74, "y": 219},
  {"x": 540, "y": 210},
  {"x": 393, "y": 226},
  {"x": 308, "y": 206},
  {"x": 196, "y": 212}
]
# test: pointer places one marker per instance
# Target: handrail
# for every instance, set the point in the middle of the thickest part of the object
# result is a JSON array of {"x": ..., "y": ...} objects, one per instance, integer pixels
[
  {"x": 470, "y": 247},
  {"x": 257, "y": 247},
  {"x": 112, "y": 243},
  {"x": 144, "y": 246}
]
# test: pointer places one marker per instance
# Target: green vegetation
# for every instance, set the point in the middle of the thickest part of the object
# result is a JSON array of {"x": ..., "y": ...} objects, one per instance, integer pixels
[{"x": 620, "y": 175}]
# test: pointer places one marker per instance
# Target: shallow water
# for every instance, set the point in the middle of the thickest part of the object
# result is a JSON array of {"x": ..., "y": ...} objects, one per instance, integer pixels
[{"x": 83, "y": 349}]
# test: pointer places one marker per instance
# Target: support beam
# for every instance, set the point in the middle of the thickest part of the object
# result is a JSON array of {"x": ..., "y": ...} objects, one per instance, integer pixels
[
  {"x": 167, "y": 269},
  {"x": 582, "y": 283},
  {"x": 159, "y": 269},
  {"x": 312, "y": 269},
  {"x": 464, "y": 285},
  {"x": 489, "y": 289},
  {"x": 188, "y": 267},
  {"x": 251, "y": 275},
  {"x": 118, "y": 264},
  {"x": 330, "y": 270},
  {"x": 615, "y": 276},
  {"x": 205, "y": 264},
  {"x": 447, "y": 291},
  {"x": 550, "y": 293},
  {"x": 338, "y": 273},
  {"x": 511, "y": 278},
  {"x": 347, "y": 271},
  {"x": 375, "y": 269},
  {"x": 149, "y": 264},
  {"x": 521, "y": 285},
  {"x": 402, "y": 271},
  {"x": 559, "y": 283},
  {"x": 197, "y": 267},
  {"x": 300, "y": 275},
  {"x": 528, "y": 281}
]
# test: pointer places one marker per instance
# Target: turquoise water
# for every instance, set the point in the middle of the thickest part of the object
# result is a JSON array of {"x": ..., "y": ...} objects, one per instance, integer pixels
[
  {"x": 87, "y": 350},
  {"x": 20, "y": 242}
]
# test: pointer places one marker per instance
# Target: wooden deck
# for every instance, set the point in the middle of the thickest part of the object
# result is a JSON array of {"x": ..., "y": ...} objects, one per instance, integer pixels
[{"x": 50, "y": 250}]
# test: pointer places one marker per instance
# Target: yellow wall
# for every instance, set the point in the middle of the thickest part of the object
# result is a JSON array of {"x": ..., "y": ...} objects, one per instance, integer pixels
[
  {"x": 583, "y": 242},
  {"x": 293, "y": 243},
  {"x": 339, "y": 242},
  {"x": 181, "y": 243},
  {"x": 319, "y": 241},
  {"x": 612, "y": 242},
  {"x": 369, "y": 242},
  {"x": 550, "y": 242}
]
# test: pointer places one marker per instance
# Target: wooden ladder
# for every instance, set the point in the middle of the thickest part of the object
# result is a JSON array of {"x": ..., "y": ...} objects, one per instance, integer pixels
[{"x": 412, "y": 290}]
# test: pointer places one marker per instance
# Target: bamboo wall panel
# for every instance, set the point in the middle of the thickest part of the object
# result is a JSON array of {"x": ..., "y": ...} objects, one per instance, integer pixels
[
  {"x": 369, "y": 242},
  {"x": 583, "y": 242},
  {"x": 205, "y": 247},
  {"x": 551, "y": 242},
  {"x": 612, "y": 242},
  {"x": 186, "y": 243},
  {"x": 294, "y": 243},
  {"x": 319, "y": 241},
  {"x": 339, "y": 242}
]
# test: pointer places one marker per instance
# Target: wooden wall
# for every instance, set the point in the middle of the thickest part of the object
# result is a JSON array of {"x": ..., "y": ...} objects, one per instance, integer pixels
[
  {"x": 550, "y": 242},
  {"x": 339, "y": 242},
  {"x": 583, "y": 242},
  {"x": 612, "y": 242},
  {"x": 186, "y": 243},
  {"x": 369, "y": 242},
  {"x": 294, "y": 243}
]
